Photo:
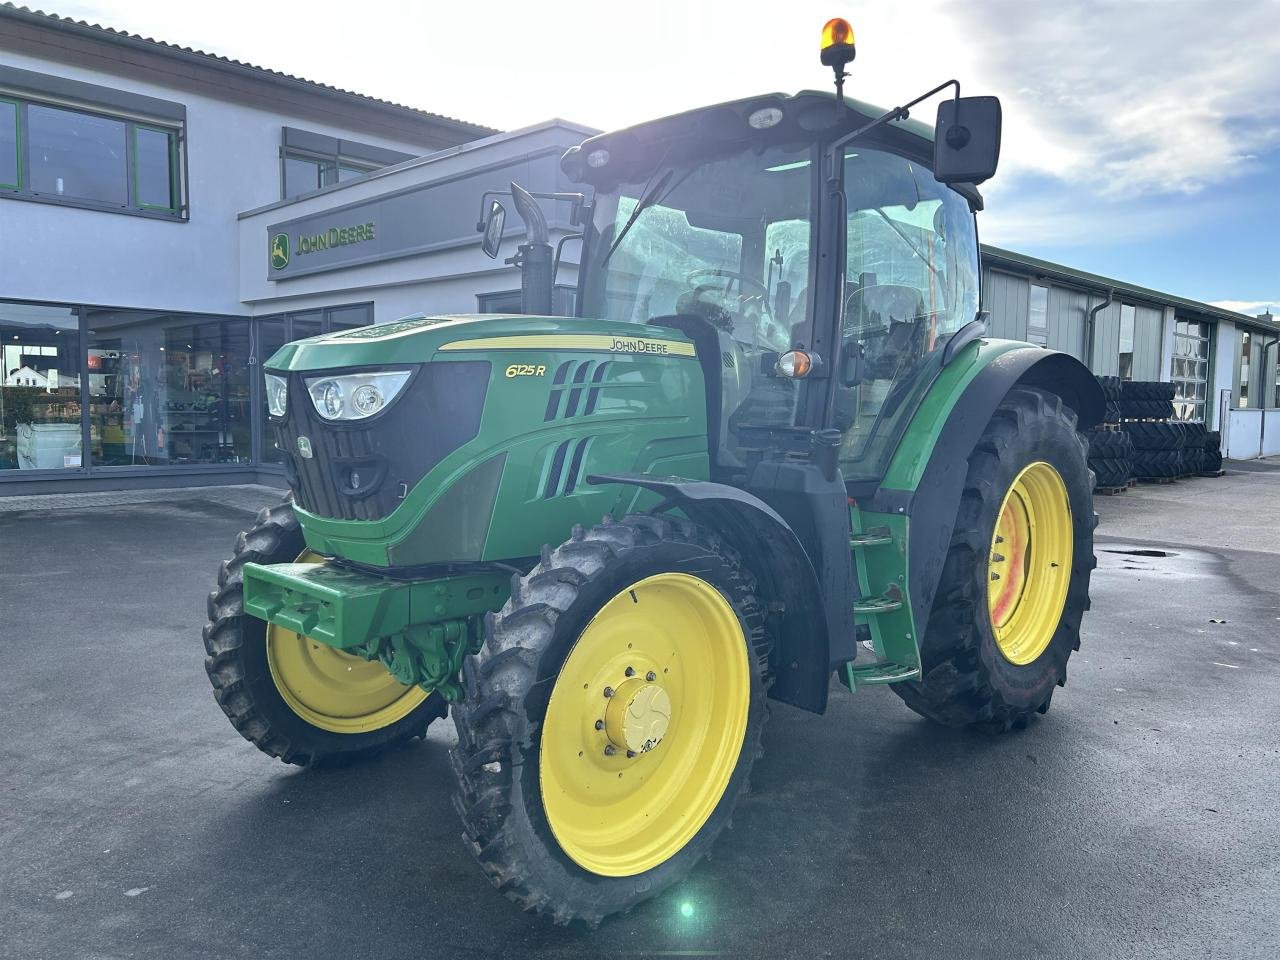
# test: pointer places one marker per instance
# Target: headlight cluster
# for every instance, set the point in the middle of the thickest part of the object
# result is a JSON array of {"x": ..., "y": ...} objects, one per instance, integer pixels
[
  {"x": 277, "y": 394},
  {"x": 354, "y": 396}
]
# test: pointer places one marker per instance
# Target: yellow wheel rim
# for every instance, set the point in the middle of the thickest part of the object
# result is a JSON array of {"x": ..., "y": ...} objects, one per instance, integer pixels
[
  {"x": 333, "y": 690},
  {"x": 1029, "y": 566},
  {"x": 629, "y": 779}
]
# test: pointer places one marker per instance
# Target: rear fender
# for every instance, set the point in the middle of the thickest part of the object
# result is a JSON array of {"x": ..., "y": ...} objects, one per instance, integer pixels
[
  {"x": 926, "y": 478},
  {"x": 788, "y": 584}
]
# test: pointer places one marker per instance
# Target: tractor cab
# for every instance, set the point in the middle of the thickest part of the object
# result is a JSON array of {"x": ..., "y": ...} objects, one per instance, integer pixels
[{"x": 824, "y": 280}]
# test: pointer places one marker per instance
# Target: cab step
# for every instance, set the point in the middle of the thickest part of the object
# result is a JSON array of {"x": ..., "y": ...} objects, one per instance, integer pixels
[
  {"x": 871, "y": 606},
  {"x": 882, "y": 671}
]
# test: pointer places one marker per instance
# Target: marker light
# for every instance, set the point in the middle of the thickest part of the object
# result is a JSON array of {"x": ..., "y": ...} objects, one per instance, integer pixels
[
  {"x": 354, "y": 396},
  {"x": 764, "y": 118},
  {"x": 795, "y": 364},
  {"x": 837, "y": 43},
  {"x": 597, "y": 158},
  {"x": 277, "y": 394}
]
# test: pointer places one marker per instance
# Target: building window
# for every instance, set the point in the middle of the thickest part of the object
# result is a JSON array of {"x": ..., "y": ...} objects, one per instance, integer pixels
[
  {"x": 1128, "y": 313},
  {"x": 1190, "y": 369},
  {"x": 310, "y": 161},
  {"x": 563, "y": 299},
  {"x": 39, "y": 388},
  {"x": 10, "y": 159},
  {"x": 167, "y": 389},
  {"x": 1038, "y": 315},
  {"x": 83, "y": 158}
]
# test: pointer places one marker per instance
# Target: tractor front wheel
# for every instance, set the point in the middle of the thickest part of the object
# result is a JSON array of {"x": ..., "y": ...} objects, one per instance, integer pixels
[
  {"x": 290, "y": 696},
  {"x": 1015, "y": 584},
  {"x": 611, "y": 721}
]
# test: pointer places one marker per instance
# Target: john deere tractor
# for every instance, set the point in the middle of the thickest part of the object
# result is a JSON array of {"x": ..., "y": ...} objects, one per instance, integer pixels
[{"x": 774, "y": 447}]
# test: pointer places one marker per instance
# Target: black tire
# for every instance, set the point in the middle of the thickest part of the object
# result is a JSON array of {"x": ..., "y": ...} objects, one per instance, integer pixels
[
  {"x": 966, "y": 681},
  {"x": 1212, "y": 461},
  {"x": 508, "y": 687},
  {"x": 1111, "y": 413},
  {"x": 1213, "y": 441},
  {"x": 236, "y": 645},
  {"x": 1111, "y": 472},
  {"x": 1154, "y": 436},
  {"x": 1110, "y": 444}
]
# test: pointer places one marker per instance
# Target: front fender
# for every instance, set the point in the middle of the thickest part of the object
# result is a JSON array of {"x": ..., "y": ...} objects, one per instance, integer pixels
[{"x": 788, "y": 583}]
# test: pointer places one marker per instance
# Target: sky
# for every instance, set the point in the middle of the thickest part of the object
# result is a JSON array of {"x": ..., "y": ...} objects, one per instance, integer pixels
[{"x": 1141, "y": 138}]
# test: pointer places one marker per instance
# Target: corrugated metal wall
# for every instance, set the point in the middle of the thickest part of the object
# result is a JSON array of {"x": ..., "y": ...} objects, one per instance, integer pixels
[{"x": 1007, "y": 297}]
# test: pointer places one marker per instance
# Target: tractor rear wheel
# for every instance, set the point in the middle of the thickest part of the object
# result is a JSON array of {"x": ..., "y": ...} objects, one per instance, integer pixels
[
  {"x": 292, "y": 697},
  {"x": 611, "y": 721},
  {"x": 1015, "y": 584}
]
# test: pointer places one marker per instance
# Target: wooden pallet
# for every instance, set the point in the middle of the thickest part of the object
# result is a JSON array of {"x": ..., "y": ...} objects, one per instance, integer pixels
[
  {"x": 1108, "y": 428},
  {"x": 1211, "y": 473},
  {"x": 1156, "y": 479},
  {"x": 1111, "y": 491}
]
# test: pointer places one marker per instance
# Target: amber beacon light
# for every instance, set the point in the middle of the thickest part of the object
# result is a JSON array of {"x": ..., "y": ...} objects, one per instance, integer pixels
[{"x": 837, "y": 43}]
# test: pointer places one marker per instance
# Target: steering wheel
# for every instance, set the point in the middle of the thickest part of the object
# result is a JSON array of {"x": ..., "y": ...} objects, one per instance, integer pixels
[{"x": 730, "y": 275}]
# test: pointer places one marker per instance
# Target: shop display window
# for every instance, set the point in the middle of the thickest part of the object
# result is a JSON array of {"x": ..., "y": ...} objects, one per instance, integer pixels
[
  {"x": 39, "y": 388},
  {"x": 167, "y": 389}
]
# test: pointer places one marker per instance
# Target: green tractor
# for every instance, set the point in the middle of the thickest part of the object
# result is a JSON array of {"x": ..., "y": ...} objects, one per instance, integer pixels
[{"x": 810, "y": 460}]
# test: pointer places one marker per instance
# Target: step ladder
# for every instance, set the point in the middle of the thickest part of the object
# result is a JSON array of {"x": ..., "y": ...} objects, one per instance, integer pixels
[{"x": 891, "y": 641}]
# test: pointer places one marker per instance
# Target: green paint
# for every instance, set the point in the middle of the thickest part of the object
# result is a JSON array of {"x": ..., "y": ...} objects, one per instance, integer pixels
[
  {"x": 883, "y": 569},
  {"x": 649, "y": 416},
  {"x": 420, "y": 630}
]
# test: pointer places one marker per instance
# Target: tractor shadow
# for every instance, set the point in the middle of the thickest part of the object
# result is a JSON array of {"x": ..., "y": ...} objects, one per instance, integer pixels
[{"x": 867, "y": 808}]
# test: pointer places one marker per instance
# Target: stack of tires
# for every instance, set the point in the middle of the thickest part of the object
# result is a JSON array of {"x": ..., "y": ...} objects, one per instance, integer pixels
[
  {"x": 1211, "y": 452},
  {"x": 1111, "y": 391},
  {"x": 1110, "y": 458},
  {"x": 1157, "y": 449},
  {"x": 1194, "y": 455},
  {"x": 1146, "y": 400}
]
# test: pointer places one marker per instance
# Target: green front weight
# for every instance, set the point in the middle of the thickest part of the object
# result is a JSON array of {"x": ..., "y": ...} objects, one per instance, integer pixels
[{"x": 420, "y": 630}]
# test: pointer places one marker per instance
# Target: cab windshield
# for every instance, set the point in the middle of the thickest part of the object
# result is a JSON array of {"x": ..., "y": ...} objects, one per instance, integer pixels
[{"x": 716, "y": 237}]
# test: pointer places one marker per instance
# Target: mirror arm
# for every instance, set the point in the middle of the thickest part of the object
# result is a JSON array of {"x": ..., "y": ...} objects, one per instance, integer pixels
[
  {"x": 555, "y": 267},
  {"x": 897, "y": 113}
]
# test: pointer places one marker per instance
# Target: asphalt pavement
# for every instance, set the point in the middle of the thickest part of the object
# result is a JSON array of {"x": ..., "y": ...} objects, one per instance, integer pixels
[{"x": 1139, "y": 818}]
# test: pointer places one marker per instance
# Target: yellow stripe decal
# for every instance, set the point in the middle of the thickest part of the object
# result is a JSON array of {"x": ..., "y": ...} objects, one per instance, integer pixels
[{"x": 670, "y": 348}]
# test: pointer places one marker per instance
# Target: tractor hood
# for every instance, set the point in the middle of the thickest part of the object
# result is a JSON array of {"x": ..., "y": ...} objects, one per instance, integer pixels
[{"x": 422, "y": 338}]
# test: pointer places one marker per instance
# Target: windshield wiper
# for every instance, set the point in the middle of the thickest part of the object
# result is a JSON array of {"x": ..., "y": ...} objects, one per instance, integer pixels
[
  {"x": 647, "y": 200},
  {"x": 902, "y": 234}
]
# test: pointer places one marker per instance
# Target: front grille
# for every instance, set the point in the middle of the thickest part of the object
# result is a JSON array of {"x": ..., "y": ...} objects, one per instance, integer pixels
[{"x": 438, "y": 412}]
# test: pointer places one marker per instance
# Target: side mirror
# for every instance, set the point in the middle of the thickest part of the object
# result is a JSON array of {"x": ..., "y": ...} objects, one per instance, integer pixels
[
  {"x": 494, "y": 222},
  {"x": 966, "y": 140}
]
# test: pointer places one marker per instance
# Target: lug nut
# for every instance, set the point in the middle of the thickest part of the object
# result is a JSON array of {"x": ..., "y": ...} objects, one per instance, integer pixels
[
  {"x": 651, "y": 676},
  {"x": 610, "y": 749},
  {"x": 631, "y": 671},
  {"x": 599, "y": 724},
  {"x": 995, "y": 576},
  {"x": 999, "y": 539},
  {"x": 608, "y": 691},
  {"x": 630, "y": 754},
  {"x": 998, "y": 557}
]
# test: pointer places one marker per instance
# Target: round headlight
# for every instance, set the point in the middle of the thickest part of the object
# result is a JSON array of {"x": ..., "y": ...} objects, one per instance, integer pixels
[
  {"x": 764, "y": 118},
  {"x": 597, "y": 158},
  {"x": 330, "y": 399},
  {"x": 367, "y": 399}
]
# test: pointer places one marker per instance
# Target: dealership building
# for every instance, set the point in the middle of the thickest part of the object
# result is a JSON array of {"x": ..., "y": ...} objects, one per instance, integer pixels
[{"x": 170, "y": 218}]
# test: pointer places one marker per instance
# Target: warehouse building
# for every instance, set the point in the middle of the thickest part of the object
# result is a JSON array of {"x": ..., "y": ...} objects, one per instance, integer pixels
[{"x": 170, "y": 218}]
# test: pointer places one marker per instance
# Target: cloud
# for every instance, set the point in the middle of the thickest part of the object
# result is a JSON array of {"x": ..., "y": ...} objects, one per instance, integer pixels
[{"x": 1133, "y": 98}]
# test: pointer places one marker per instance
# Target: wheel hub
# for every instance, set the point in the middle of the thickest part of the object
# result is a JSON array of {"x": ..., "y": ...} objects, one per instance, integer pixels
[{"x": 638, "y": 715}]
